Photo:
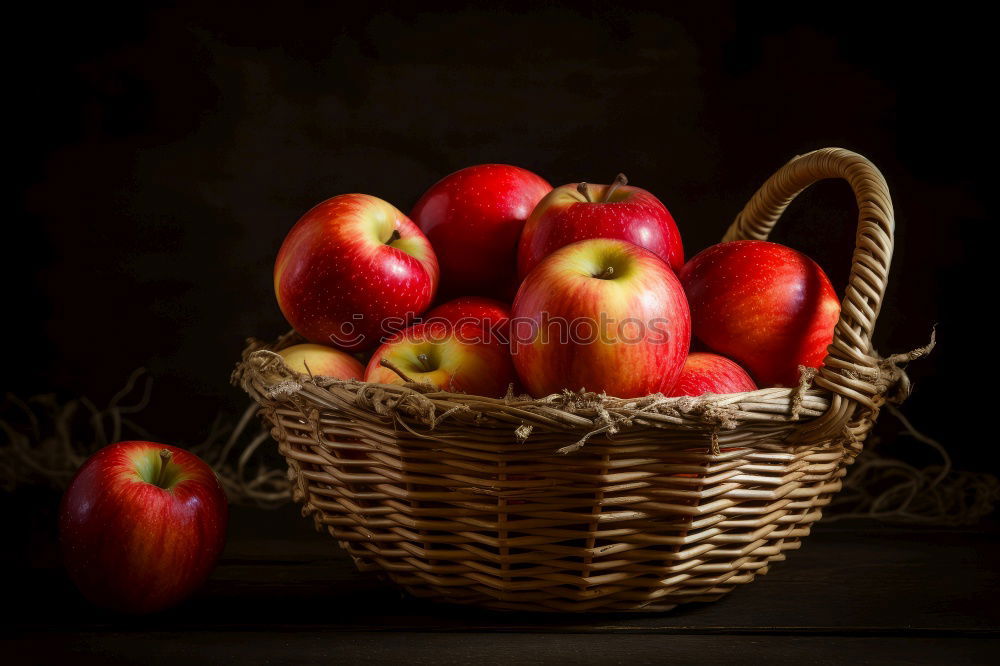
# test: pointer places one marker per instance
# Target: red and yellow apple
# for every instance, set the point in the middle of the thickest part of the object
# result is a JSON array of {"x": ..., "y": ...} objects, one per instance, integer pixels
[
  {"x": 459, "y": 359},
  {"x": 574, "y": 212},
  {"x": 319, "y": 360},
  {"x": 600, "y": 314},
  {"x": 762, "y": 304},
  {"x": 349, "y": 266},
  {"x": 474, "y": 218},
  {"x": 485, "y": 312},
  {"x": 141, "y": 526},
  {"x": 711, "y": 373}
]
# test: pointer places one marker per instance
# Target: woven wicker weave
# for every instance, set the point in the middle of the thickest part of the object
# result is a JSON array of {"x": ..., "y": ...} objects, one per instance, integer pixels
[{"x": 581, "y": 502}]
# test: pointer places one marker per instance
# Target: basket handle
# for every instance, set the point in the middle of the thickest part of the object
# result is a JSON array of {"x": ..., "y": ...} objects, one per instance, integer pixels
[{"x": 851, "y": 368}]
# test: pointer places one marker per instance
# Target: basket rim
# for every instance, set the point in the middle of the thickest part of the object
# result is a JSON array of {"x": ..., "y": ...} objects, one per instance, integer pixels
[{"x": 263, "y": 374}]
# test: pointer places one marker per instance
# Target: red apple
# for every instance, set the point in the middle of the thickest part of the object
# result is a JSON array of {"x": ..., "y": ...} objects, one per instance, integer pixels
[
  {"x": 474, "y": 218},
  {"x": 486, "y": 312},
  {"x": 322, "y": 361},
  {"x": 576, "y": 212},
  {"x": 353, "y": 269},
  {"x": 711, "y": 373},
  {"x": 600, "y": 314},
  {"x": 762, "y": 304},
  {"x": 141, "y": 526},
  {"x": 453, "y": 358}
]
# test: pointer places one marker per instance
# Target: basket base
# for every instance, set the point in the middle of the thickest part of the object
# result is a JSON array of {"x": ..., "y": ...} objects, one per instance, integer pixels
[
  {"x": 588, "y": 601},
  {"x": 566, "y": 607}
]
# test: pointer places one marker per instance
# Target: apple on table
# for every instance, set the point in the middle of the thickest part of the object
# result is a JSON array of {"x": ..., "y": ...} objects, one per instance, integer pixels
[
  {"x": 141, "y": 526},
  {"x": 576, "y": 212}
]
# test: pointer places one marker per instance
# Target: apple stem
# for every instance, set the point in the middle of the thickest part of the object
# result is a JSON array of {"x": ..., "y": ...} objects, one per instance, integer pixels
[
  {"x": 607, "y": 274},
  {"x": 585, "y": 191},
  {"x": 393, "y": 237},
  {"x": 161, "y": 476},
  {"x": 392, "y": 366},
  {"x": 425, "y": 361},
  {"x": 620, "y": 180}
]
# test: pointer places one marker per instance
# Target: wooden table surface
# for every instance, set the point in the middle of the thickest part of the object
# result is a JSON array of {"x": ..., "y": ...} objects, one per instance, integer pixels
[{"x": 282, "y": 592}]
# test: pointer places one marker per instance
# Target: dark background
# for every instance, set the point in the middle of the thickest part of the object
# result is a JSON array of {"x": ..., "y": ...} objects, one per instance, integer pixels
[{"x": 161, "y": 154}]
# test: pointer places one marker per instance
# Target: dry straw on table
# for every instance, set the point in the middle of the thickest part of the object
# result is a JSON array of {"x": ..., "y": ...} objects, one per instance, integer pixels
[{"x": 583, "y": 502}]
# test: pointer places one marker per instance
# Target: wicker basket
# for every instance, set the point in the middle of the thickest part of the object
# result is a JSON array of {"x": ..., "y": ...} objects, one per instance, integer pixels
[{"x": 582, "y": 502}]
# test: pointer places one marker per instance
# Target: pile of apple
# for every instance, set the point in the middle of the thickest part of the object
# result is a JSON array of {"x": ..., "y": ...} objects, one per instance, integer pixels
[{"x": 496, "y": 278}]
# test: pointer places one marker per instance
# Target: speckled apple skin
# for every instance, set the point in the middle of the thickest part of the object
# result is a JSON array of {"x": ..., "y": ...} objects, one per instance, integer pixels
[
  {"x": 710, "y": 373},
  {"x": 322, "y": 361},
  {"x": 474, "y": 218},
  {"x": 765, "y": 305},
  {"x": 334, "y": 264},
  {"x": 563, "y": 285},
  {"x": 464, "y": 361},
  {"x": 488, "y": 312},
  {"x": 565, "y": 216}
]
